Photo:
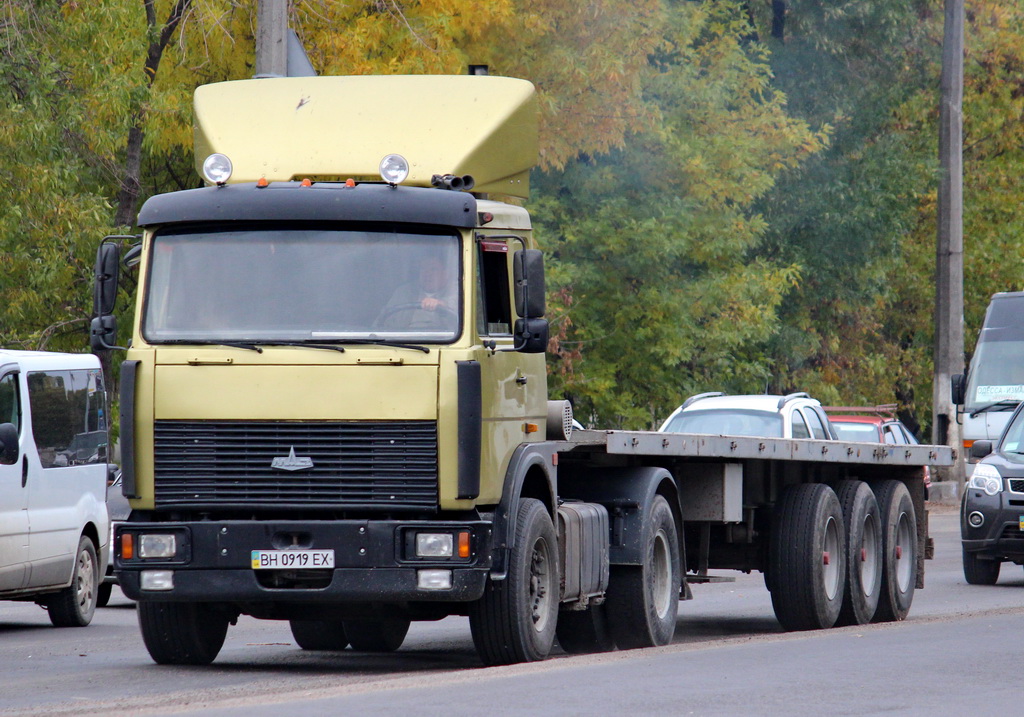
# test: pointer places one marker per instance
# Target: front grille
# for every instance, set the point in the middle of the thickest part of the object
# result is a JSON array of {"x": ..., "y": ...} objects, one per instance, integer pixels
[
  {"x": 1012, "y": 532},
  {"x": 1016, "y": 485},
  {"x": 388, "y": 465}
]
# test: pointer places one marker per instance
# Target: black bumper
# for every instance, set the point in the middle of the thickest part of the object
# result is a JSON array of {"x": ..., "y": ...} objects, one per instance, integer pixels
[
  {"x": 373, "y": 562},
  {"x": 1000, "y": 535}
]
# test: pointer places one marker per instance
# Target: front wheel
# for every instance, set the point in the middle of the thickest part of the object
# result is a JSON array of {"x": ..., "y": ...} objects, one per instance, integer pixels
[
  {"x": 807, "y": 557},
  {"x": 74, "y": 605},
  {"x": 515, "y": 619},
  {"x": 978, "y": 571},
  {"x": 177, "y": 633},
  {"x": 319, "y": 634},
  {"x": 899, "y": 550},
  {"x": 643, "y": 600}
]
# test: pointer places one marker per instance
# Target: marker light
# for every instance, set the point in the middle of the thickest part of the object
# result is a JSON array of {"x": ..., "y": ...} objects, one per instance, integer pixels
[
  {"x": 217, "y": 169},
  {"x": 394, "y": 169}
]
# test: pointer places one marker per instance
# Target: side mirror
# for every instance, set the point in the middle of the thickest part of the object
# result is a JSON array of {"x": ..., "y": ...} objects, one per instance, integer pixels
[
  {"x": 8, "y": 444},
  {"x": 103, "y": 333},
  {"x": 980, "y": 449},
  {"x": 957, "y": 388},
  {"x": 108, "y": 258},
  {"x": 531, "y": 336},
  {"x": 528, "y": 273}
]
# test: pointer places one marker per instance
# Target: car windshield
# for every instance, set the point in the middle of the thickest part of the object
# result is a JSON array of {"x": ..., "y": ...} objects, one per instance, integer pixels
[
  {"x": 728, "y": 422},
  {"x": 997, "y": 374},
  {"x": 313, "y": 285},
  {"x": 1013, "y": 436},
  {"x": 856, "y": 431}
]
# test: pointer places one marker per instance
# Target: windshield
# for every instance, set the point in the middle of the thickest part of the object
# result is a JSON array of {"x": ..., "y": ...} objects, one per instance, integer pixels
[
  {"x": 313, "y": 285},
  {"x": 851, "y": 431},
  {"x": 996, "y": 374},
  {"x": 1013, "y": 437},
  {"x": 728, "y": 422}
]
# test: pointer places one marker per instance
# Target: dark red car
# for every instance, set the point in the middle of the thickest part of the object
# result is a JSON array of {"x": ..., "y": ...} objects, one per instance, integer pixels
[{"x": 875, "y": 424}]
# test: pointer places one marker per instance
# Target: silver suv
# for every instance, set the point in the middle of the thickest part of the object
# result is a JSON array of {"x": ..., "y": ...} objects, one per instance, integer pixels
[{"x": 795, "y": 415}]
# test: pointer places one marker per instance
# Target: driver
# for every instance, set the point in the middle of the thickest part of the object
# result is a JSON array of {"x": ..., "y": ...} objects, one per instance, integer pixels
[{"x": 429, "y": 301}]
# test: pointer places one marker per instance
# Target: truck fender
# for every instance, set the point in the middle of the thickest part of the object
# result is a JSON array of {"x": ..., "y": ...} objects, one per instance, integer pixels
[
  {"x": 531, "y": 473},
  {"x": 628, "y": 494}
]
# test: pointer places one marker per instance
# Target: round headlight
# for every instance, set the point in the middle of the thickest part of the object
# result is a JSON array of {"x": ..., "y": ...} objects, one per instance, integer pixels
[
  {"x": 217, "y": 169},
  {"x": 394, "y": 169},
  {"x": 986, "y": 477}
]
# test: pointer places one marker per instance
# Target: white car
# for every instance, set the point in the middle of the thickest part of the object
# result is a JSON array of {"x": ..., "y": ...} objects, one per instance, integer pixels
[{"x": 795, "y": 415}]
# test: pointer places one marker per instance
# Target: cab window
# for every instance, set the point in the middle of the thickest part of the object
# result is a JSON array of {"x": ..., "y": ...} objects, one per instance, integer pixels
[
  {"x": 494, "y": 308},
  {"x": 68, "y": 417}
]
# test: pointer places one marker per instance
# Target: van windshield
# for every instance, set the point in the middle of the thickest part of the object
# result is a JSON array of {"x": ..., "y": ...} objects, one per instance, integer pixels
[
  {"x": 315, "y": 285},
  {"x": 996, "y": 375}
]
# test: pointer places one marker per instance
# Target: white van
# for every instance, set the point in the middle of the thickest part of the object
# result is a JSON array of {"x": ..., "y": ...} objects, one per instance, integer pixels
[
  {"x": 54, "y": 531},
  {"x": 994, "y": 383}
]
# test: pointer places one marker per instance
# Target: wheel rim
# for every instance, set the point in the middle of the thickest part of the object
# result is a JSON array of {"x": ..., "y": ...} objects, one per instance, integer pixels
[
  {"x": 869, "y": 557},
  {"x": 904, "y": 553},
  {"x": 831, "y": 574},
  {"x": 85, "y": 579},
  {"x": 540, "y": 585},
  {"x": 661, "y": 568}
]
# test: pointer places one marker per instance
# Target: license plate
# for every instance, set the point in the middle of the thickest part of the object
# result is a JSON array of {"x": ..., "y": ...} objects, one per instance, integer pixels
[
  {"x": 291, "y": 559},
  {"x": 1020, "y": 524}
]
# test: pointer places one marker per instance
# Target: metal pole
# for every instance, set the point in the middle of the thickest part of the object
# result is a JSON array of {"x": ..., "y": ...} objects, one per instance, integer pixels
[
  {"x": 271, "y": 38},
  {"x": 949, "y": 256}
]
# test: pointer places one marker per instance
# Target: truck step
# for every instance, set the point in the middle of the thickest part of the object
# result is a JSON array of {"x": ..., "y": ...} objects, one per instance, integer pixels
[{"x": 709, "y": 579}]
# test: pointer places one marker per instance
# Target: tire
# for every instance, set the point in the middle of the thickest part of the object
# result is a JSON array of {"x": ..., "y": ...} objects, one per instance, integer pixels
[
  {"x": 863, "y": 552},
  {"x": 643, "y": 600},
  {"x": 319, "y": 634},
  {"x": 808, "y": 558},
  {"x": 515, "y": 619},
  {"x": 978, "y": 571},
  {"x": 899, "y": 550},
  {"x": 583, "y": 631},
  {"x": 75, "y": 605},
  {"x": 384, "y": 635},
  {"x": 103, "y": 594},
  {"x": 177, "y": 633}
]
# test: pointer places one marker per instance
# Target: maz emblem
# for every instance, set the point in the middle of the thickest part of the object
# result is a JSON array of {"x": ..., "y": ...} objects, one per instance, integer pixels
[{"x": 292, "y": 462}]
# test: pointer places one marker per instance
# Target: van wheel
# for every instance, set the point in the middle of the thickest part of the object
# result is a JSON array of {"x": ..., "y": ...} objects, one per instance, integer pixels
[
  {"x": 319, "y": 634},
  {"x": 515, "y": 619},
  {"x": 384, "y": 635},
  {"x": 807, "y": 556},
  {"x": 899, "y": 550},
  {"x": 74, "y": 605},
  {"x": 643, "y": 600},
  {"x": 181, "y": 633},
  {"x": 863, "y": 552}
]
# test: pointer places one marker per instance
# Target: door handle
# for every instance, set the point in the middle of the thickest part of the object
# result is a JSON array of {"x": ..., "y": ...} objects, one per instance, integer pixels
[{"x": 24, "y": 471}]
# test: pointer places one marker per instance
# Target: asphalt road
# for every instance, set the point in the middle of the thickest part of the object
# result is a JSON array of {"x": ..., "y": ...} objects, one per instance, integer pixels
[{"x": 729, "y": 657}]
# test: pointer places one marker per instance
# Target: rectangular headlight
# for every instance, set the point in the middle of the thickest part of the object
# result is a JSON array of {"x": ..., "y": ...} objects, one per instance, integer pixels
[
  {"x": 434, "y": 579},
  {"x": 157, "y": 580},
  {"x": 157, "y": 545},
  {"x": 434, "y": 545}
]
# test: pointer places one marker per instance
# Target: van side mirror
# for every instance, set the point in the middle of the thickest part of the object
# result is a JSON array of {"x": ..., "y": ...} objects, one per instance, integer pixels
[
  {"x": 103, "y": 333},
  {"x": 528, "y": 275},
  {"x": 957, "y": 386},
  {"x": 531, "y": 336},
  {"x": 105, "y": 275},
  {"x": 8, "y": 444},
  {"x": 980, "y": 449}
]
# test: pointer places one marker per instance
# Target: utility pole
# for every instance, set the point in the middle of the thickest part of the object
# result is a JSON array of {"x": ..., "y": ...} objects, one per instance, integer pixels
[
  {"x": 949, "y": 255},
  {"x": 271, "y": 38}
]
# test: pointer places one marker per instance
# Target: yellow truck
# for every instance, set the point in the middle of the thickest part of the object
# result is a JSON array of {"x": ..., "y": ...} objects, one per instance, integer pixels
[{"x": 334, "y": 407}]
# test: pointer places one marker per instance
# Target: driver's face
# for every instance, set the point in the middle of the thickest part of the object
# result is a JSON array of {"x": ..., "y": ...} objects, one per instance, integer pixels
[{"x": 433, "y": 274}]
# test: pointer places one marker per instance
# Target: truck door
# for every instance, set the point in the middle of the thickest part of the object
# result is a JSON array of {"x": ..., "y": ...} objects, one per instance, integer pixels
[
  {"x": 67, "y": 466},
  {"x": 13, "y": 502}
]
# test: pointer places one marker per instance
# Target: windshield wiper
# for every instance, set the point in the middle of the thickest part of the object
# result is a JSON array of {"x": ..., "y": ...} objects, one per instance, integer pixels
[
  {"x": 232, "y": 344},
  {"x": 305, "y": 345},
  {"x": 1007, "y": 404},
  {"x": 385, "y": 342}
]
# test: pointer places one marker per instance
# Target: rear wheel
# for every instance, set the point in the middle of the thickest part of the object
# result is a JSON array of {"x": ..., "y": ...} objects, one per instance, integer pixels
[
  {"x": 808, "y": 557},
  {"x": 515, "y": 619},
  {"x": 863, "y": 552},
  {"x": 643, "y": 600},
  {"x": 383, "y": 635},
  {"x": 978, "y": 571},
  {"x": 899, "y": 550},
  {"x": 74, "y": 605},
  {"x": 584, "y": 631},
  {"x": 319, "y": 634},
  {"x": 177, "y": 633}
]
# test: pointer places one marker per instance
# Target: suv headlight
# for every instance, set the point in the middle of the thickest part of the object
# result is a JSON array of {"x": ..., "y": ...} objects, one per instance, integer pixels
[{"x": 986, "y": 477}]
